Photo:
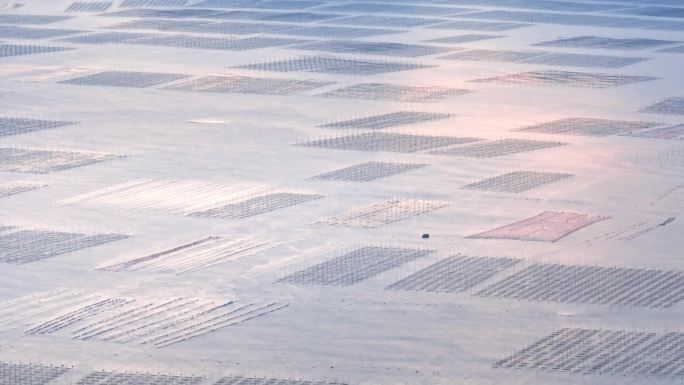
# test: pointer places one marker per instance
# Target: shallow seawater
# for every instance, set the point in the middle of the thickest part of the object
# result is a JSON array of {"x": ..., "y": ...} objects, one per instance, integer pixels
[{"x": 220, "y": 192}]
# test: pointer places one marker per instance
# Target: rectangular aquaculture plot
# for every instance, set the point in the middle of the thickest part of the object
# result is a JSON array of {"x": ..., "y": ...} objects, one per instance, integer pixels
[
  {"x": 565, "y": 78},
  {"x": 248, "y": 85},
  {"x": 591, "y": 285},
  {"x": 29, "y": 374},
  {"x": 517, "y": 181},
  {"x": 158, "y": 322},
  {"x": 165, "y": 322},
  {"x": 373, "y": 48},
  {"x": 545, "y": 58},
  {"x": 338, "y": 32},
  {"x": 662, "y": 358},
  {"x": 549, "y": 226},
  {"x": 579, "y": 60},
  {"x": 671, "y": 106},
  {"x": 269, "y": 16},
  {"x": 259, "y": 4},
  {"x": 495, "y": 148},
  {"x": 562, "y": 19},
  {"x": 145, "y": 12},
  {"x": 588, "y": 127},
  {"x": 257, "y": 205},
  {"x": 153, "y": 3},
  {"x": 299, "y": 17},
  {"x": 125, "y": 79},
  {"x": 598, "y": 42},
  {"x": 98, "y": 378},
  {"x": 454, "y": 274},
  {"x": 247, "y": 15},
  {"x": 384, "y": 21},
  {"x": 106, "y": 38},
  {"x": 670, "y": 132},
  {"x": 582, "y": 351},
  {"x": 47, "y": 161},
  {"x": 26, "y": 246},
  {"x": 385, "y": 212},
  {"x": 187, "y": 41},
  {"x": 183, "y": 13},
  {"x": 233, "y": 28},
  {"x": 383, "y": 141},
  {"x": 190, "y": 257},
  {"x": 30, "y": 19},
  {"x": 460, "y": 39},
  {"x": 70, "y": 317},
  {"x": 407, "y": 9},
  {"x": 468, "y": 25},
  {"x": 655, "y": 11},
  {"x": 677, "y": 49},
  {"x": 88, "y": 7},
  {"x": 14, "y": 126},
  {"x": 392, "y": 119},
  {"x": 607, "y": 352},
  {"x": 544, "y": 5},
  {"x": 394, "y": 92},
  {"x": 193, "y": 198},
  {"x": 17, "y": 32},
  {"x": 36, "y": 307},
  {"x": 7, "y": 50},
  {"x": 174, "y": 26},
  {"x": 492, "y": 55},
  {"x": 269, "y": 381},
  {"x": 368, "y": 171},
  {"x": 173, "y": 196},
  {"x": 186, "y": 13},
  {"x": 365, "y": 7},
  {"x": 12, "y": 188},
  {"x": 333, "y": 66},
  {"x": 355, "y": 266}
]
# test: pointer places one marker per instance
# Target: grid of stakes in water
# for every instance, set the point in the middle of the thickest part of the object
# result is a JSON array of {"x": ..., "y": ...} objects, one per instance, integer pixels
[
  {"x": 594, "y": 351},
  {"x": 355, "y": 266}
]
